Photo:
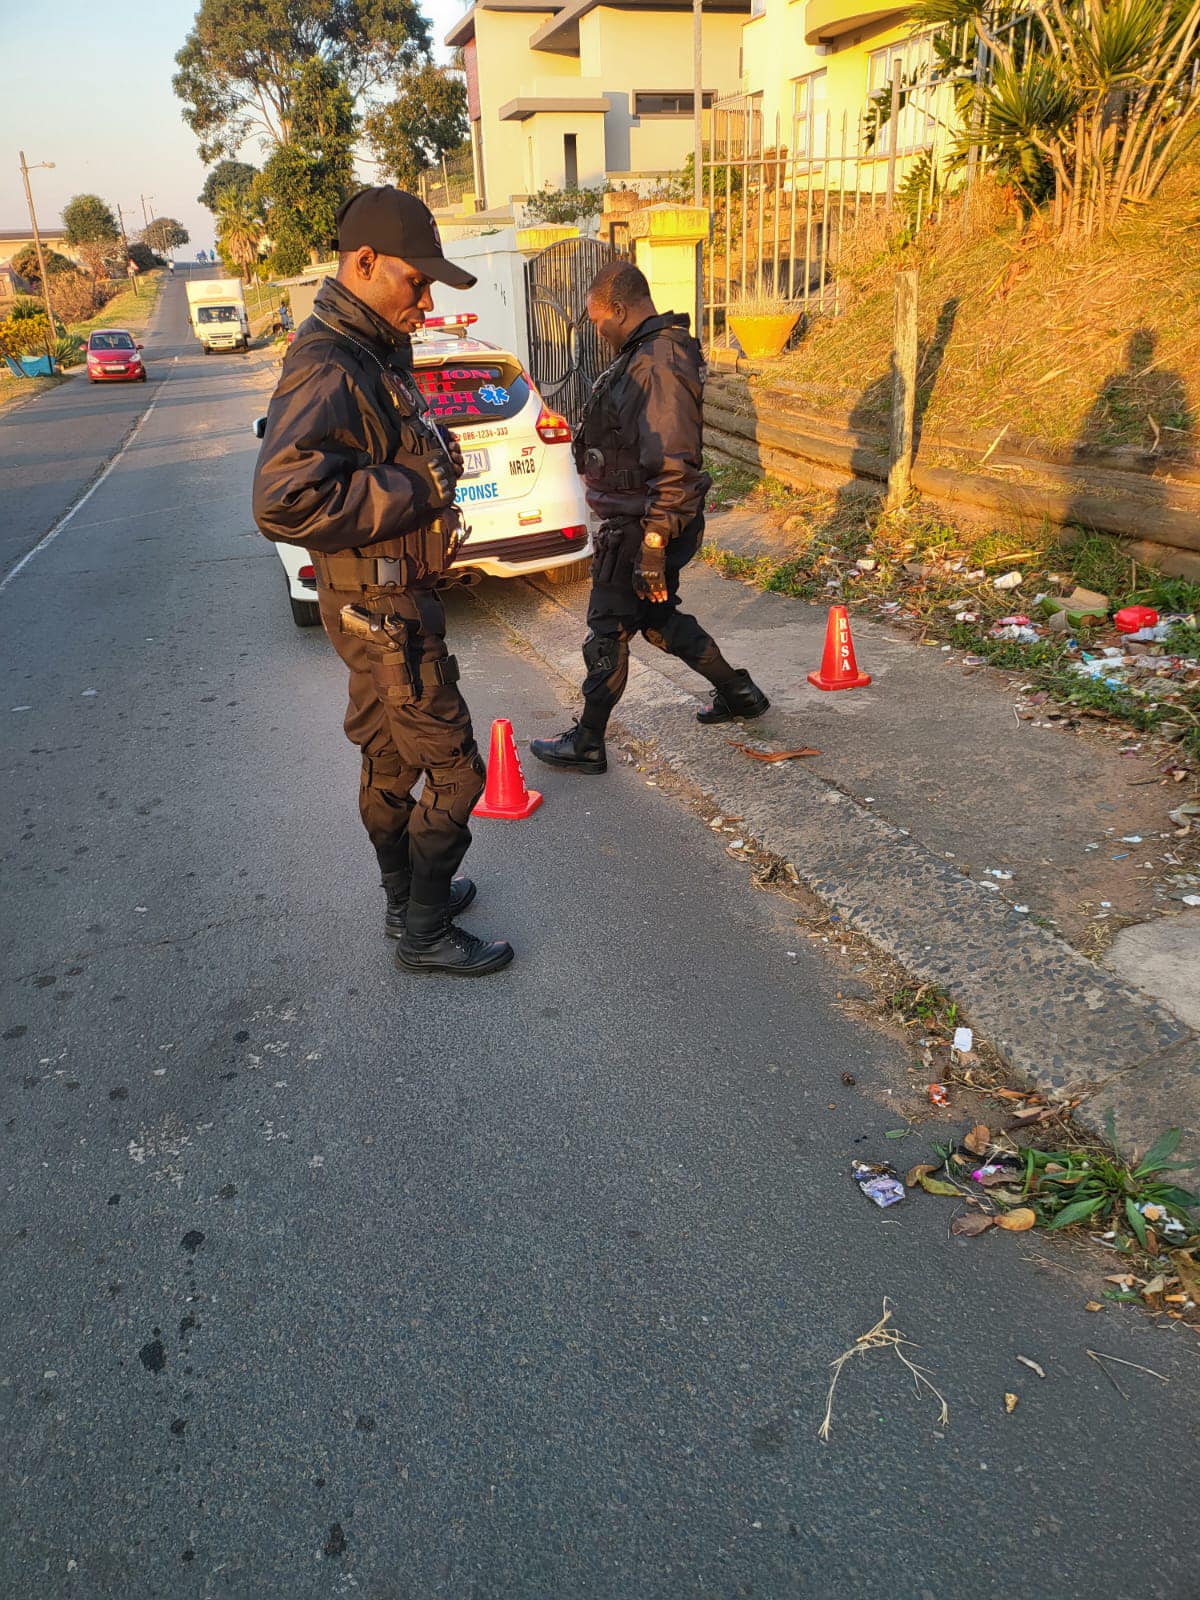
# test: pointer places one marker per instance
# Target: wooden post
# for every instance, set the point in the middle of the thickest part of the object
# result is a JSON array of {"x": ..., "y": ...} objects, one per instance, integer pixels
[{"x": 904, "y": 391}]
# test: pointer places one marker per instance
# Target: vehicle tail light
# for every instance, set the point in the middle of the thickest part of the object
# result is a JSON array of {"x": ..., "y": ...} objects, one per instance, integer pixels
[
  {"x": 461, "y": 319},
  {"x": 551, "y": 428},
  {"x": 574, "y": 533},
  {"x": 308, "y": 574}
]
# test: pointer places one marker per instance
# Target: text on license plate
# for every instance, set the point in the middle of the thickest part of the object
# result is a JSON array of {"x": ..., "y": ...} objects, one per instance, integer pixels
[{"x": 475, "y": 463}]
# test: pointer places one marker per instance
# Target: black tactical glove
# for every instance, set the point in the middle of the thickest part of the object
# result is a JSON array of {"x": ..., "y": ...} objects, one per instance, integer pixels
[
  {"x": 650, "y": 569},
  {"x": 453, "y": 449},
  {"x": 437, "y": 475}
]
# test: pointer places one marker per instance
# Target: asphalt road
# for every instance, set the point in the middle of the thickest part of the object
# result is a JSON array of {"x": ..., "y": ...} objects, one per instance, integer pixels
[{"x": 316, "y": 1279}]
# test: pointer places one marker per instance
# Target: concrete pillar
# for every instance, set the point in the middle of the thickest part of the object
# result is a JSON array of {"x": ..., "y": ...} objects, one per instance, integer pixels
[{"x": 666, "y": 248}]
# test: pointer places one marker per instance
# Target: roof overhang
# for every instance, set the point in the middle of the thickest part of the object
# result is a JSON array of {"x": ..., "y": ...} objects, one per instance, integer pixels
[
  {"x": 521, "y": 110},
  {"x": 560, "y": 34},
  {"x": 826, "y": 21},
  {"x": 463, "y": 30}
]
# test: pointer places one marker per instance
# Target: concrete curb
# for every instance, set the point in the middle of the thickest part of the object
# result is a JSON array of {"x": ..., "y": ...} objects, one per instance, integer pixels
[{"x": 1059, "y": 1021}]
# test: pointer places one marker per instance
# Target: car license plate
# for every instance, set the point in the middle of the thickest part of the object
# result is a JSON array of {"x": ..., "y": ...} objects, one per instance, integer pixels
[{"x": 475, "y": 463}]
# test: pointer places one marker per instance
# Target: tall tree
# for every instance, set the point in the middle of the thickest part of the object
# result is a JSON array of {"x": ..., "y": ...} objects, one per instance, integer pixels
[
  {"x": 240, "y": 65},
  {"x": 427, "y": 119},
  {"x": 226, "y": 175},
  {"x": 90, "y": 228},
  {"x": 164, "y": 234},
  {"x": 25, "y": 263},
  {"x": 305, "y": 181}
]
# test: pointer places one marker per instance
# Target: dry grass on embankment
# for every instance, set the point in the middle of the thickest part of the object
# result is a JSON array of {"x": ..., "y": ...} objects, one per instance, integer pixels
[{"x": 1095, "y": 346}]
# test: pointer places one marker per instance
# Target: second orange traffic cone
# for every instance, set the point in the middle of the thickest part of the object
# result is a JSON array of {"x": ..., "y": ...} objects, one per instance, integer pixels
[
  {"x": 839, "y": 669},
  {"x": 505, "y": 795}
]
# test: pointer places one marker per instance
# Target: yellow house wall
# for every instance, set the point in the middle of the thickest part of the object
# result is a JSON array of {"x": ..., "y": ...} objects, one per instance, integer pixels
[
  {"x": 505, "y": 61},
  {"x": 546, "y": 132},
  {"x": 774, "y": 54}
]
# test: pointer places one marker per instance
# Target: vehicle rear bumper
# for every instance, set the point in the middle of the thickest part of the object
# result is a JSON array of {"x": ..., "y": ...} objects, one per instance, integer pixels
[{"x": 521, "y": 554}]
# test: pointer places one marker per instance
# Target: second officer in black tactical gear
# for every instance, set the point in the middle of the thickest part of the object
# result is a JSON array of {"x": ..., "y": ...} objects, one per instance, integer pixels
[
  {"x": 352, "y": 468},
  {"x": 638, "y": 447}
]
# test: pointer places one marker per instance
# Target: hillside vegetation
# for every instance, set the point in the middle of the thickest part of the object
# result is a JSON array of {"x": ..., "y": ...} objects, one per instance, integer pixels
[{"x": 1097, "y": 345}]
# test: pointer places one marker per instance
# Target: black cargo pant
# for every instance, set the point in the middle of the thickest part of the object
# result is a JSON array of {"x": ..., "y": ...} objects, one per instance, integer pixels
[
  {"x": 616, "y": 613},
  {"x": 405, "y": 731}
]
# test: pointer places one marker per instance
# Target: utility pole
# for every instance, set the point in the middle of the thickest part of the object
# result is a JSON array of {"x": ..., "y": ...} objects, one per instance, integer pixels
[
  {"x": 145, "y": 214},
  {"x": 26, "y": 169},
  {"x": 125, "y": 245},
  {"x": 698, "y": 100}
]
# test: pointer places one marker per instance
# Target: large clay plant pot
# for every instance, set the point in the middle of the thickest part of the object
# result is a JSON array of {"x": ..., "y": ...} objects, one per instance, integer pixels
[{"x": 762, "y": 337}]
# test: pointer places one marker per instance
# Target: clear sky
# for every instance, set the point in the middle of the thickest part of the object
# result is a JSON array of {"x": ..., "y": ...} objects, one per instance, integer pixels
[{"x": 88, "y": 87}]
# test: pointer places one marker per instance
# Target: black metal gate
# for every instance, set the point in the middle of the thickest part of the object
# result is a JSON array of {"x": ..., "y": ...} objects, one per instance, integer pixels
[{"x": 565, "y": 353}]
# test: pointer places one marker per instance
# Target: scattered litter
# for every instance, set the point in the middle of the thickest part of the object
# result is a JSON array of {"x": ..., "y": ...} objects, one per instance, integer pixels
[
  {"x": 1024, "y": 910},
  {"x": 1161, "y": 1220},
  {"x": 879, "y": 1182},
  {"x": 1081, "y": 607},
  {"x": 773, "y": 755},
  {"x": 938, "y": 1094},
  {"x": 1032, "y": 1365},
  {"x": 1131, "y": 838},
  {"x": 995, "y": 872},
  {"x": 966, "y": 616},
  {"x": 1008, "y": 580},
  {"x": 1010, "y": 1403},
  {"x": 882, "y": 1337},
  {"x": 964, "y": 1041},
  {"x": 994, "y": 887},
  {"x": 1191, "y": 899},
  {"x": 1133, "y": 619},
  {"x": 849, "y": 1079}
]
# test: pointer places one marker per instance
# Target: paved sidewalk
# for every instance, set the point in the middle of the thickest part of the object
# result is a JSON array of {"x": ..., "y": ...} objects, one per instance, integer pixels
[{"x": 925, "y": 782}]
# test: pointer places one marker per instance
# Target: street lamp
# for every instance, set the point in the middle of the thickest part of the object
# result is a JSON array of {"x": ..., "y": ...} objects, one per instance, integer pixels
[{"x": 26, "y": 169}]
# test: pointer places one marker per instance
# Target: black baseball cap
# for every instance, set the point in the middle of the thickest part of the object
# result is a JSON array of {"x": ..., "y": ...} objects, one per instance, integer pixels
[{"x": 398, "y": 224}]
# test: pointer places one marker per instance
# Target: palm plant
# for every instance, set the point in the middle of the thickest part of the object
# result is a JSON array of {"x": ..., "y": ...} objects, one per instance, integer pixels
[
  {"x": 1104, "y": 94},
  {"x": 241, "y": 229}
]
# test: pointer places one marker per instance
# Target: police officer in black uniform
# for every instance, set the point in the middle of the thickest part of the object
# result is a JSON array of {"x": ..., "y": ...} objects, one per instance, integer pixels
[
  {"x": 352, "y": 468},
  {"x": 638, "y": 447}
]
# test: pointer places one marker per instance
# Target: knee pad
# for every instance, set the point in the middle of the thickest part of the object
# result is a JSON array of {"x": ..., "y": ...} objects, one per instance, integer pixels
[
  {"x": 455, "y": 789},
  {"x": 602, "y": 652}
]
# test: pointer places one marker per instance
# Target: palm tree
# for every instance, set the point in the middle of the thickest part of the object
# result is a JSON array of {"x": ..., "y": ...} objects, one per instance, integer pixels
[{"x": 241, "y": 229}]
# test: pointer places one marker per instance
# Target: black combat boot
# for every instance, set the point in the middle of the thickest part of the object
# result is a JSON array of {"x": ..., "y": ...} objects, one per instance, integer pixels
[
  {"x": 580, "y": 749},
  {"x": 432, "y": 943},
  {"x": 462, "y": 893},
  {"x": 736, "y": 701}
]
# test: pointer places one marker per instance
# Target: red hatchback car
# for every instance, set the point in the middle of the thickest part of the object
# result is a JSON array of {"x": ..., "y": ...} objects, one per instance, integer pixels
[{"x": 114, "y": 356}]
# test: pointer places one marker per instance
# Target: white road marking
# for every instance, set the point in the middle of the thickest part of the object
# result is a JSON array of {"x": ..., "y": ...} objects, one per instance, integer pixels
[{"x": 67, "y": 516}]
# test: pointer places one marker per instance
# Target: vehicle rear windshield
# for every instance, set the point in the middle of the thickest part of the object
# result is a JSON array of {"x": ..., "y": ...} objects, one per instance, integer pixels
[
  {"x": 217, "y": 314},
  {"x": 111, "y": 341},
  {"x": 473, "y": 391}
]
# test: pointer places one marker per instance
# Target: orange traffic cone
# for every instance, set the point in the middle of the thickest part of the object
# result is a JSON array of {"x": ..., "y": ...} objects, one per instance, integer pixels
[
  {"x": 506, "y": 795},
  {"x": 839, "y": 669}
]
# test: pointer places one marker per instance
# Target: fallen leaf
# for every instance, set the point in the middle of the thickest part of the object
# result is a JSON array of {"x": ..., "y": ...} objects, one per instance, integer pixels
[
  {"x": 1010, "y": 1094},
  {"x": 1018, "y": 1221},
  {"x": 978, "y": 1140},
  {"x": 1188, "y": 1268},
  {"x": 1155, "y": 1287},
  {"x": 849, "y": 1079},
  {"x": 940, "y": 1186},
  {"x": 1032, "y": 1365},
  {"x": 773, "y": 755},
  {"x": 972, "y": 1223},
  {"x": 1010, "y": 1403},
  {"x": 1093, "y": 1305},
  {"x": 897, "y": 1133},
  {"x": 916, "y": 1175}
]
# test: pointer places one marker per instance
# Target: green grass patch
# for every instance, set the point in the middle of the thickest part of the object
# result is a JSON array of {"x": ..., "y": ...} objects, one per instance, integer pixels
[{"x": 125, "y": 310}]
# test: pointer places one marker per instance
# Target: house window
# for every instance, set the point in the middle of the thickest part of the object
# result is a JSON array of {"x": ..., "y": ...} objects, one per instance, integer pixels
[
  {"x": 570, "y": 161},
  {"x": 916, "y": 123},
  {"x": 810, "y": 107},
  {"x": 667, "y": 105}
]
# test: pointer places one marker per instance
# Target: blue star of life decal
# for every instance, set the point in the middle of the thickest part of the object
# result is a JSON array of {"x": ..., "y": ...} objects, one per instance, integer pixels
[{"x": 493, "y": 395}]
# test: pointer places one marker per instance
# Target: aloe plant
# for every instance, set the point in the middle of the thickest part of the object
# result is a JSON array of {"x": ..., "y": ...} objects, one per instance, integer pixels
[{"x": 1093, "y": 99}]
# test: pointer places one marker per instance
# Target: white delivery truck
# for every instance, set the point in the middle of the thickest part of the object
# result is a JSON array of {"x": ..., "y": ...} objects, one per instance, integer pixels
[{"x": 217, "y": 308}]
